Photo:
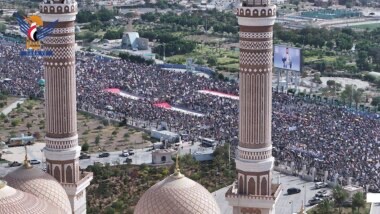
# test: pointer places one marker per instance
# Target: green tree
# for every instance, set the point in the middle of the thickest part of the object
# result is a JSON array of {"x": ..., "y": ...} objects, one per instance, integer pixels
[
  {"x": 97, "y": 140},
  {"x": 362, "y": 61},
  {"x": 357, "y": 96},
  {"x": 330, "y": 44},
  {"x": 28, "y": 125},
  {"x": 212, "y": 61},
  {"x": 3, "y": 28},
  {"x": 105, "y": 15},
  {"x": 149, "y": 17},
  {"x": 87, "y": 36},
  {"x": 84, "y": 16},
  {"x": 326, "y": 207},
  {"x": 85, "y": 147},
  {"x": 317, "y": 78},
  {"x": 358, "y": 201},
  {"x": 330, "y": 83},
  {"x": 375, "y": 101},
  {"x": 15, "y": 123},
  {"x": 339, "y": 196},
  {"x": 348, "y": 93},
  {"x": 112, "y": 34},
  {"x": 95, "y": 25}
]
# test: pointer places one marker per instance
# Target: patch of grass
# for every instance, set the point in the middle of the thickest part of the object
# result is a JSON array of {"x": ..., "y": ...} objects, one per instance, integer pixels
[
  {"x": 367, "y": 26},
  {"x": 316, "y": 58}
]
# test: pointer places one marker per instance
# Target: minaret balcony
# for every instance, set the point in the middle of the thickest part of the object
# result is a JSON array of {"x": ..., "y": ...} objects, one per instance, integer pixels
[
  {"x": 245, "y": 200},
  {"x": 256, "y": 11},
  {"x": 58, "y": 7}
]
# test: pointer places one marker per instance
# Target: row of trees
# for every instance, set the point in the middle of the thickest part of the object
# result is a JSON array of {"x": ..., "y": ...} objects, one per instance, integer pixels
[
  {"x": 220, "y": 21},
  {"x": 134, "y": 58},
  {"x": 102, "y": 15},
  {"x": 340, "y": 196},
  {"x": 175, "y": 47},
  {"x": 318, "y": 38},
  {"x": 114, "y": 34},
  {"x": 174, "y": 44}
]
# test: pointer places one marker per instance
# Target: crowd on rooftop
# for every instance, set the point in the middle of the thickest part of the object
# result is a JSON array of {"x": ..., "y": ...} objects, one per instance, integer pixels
[{"x": 326, "y": 137}]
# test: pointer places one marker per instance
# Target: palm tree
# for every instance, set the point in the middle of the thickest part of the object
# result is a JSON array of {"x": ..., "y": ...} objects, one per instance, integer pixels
[
  {"x": 326, "y": 207},
  {"x": 358, "y": 201},
  {"x": 357, "y": 96},
  {"x": 339, "y": 196}
]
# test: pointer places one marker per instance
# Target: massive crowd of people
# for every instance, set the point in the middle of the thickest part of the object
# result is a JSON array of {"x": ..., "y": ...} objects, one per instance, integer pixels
[{"x": 319, "y": 135}]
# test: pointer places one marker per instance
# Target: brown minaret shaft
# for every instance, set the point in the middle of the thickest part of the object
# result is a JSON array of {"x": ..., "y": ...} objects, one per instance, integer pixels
[
  {"x": 254, "y": 191},
  {"x": 62, "y": 150}
]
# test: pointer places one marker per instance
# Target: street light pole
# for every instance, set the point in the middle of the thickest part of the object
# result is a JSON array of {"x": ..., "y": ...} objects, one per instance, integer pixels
[
  {"x": 164, "y": 52},
  {"x": 304, "y": 197},
  {"x": 292, "y": 206}
]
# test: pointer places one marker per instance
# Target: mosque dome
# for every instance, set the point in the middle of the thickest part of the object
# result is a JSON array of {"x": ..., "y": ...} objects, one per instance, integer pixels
[
  {"x": 42, "y": 185},
  {"x": 177, "y": 194},
  {"x": 16, "y": 201}
]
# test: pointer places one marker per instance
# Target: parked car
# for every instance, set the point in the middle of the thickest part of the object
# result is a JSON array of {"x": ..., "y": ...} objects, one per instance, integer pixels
[
  {"x": 104, "y": 155},
  {"x": 84, "y": 156},
  {"x": 34, "y": 162},
  {"x": 124, "y": 154},
  {"x": 131, "y": 152},
  {"x": 128, "y": 160},
  {"x": 322, "y": 195},
  {"x": 14, "y": 164},
  {"x": 292, "y": 191},
  {"x": 315, "y": 201},
  {"x": 320, "y": 185},
  {"x": 347, "y": 203}
]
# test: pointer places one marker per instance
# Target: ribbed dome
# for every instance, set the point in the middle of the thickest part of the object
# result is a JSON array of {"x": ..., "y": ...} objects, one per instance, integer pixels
[
  {"x": 177, "y": 194},
  {"x": 40, "y": 184},
  {"x": 16, "y": 201}
]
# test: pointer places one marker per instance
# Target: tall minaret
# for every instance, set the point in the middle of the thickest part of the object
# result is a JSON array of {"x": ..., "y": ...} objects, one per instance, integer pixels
[
  {"x": 62, "y": 150},
  {"x": 254, "y": 193}
]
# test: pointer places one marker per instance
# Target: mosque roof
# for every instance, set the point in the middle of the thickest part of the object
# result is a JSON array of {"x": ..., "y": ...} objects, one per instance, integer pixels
[
  {"x": 16, "y": 201},
  {"x": 40, "y": 184},
  {"x": 177, "y": 194}
]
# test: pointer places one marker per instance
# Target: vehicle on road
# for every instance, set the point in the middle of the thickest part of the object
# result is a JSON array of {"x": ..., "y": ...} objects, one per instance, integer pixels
[
  {"x": 84, "y": 156},
  {"x": 320, "y": 185},
  {"x": 292, "y": 191},
  {"x": 315, "y": 201},
  {"x": 34, "y": 162},
  {"x": 322, "y": 195},
  {"x": 131, "y": 152},
  {"x": 14, "y": 164},
  {"x": 128, "y": 160},
  {"x": 124, "y": 154},
  {"x": 104, "y": 155}
]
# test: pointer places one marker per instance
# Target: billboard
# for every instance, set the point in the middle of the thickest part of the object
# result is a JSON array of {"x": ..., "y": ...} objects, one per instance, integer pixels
[{"x": 286, "y": 57}]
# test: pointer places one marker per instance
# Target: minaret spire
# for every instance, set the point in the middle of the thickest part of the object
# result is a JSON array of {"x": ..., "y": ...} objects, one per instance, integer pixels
[
  {"x": 254, "y": 192},
  {"x": 62, "y": 150}
]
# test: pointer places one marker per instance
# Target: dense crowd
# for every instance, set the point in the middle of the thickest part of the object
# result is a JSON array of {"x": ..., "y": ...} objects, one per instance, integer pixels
[{"x": 316, "y": 134}]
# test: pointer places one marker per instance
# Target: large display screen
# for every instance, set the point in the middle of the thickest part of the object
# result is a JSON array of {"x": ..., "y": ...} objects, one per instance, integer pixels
[{"x": 286, "y": 57}]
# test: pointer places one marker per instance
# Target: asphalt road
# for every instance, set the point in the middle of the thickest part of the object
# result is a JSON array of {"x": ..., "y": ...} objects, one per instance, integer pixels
[{"x": 36, "y": 152}]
